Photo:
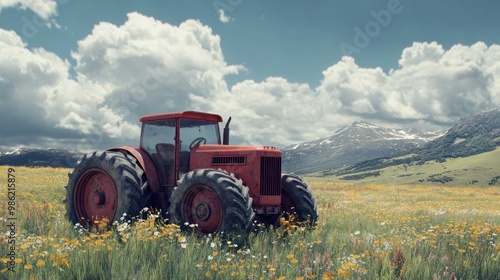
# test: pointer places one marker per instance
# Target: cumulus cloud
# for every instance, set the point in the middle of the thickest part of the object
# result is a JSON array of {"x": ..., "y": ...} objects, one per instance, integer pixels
[
  {"x": 146, "y": 66},
  {"x": 45, "y": 9},
  {"x": 442, "y": 88},
  {"x": 28, "y": 78},
  {"x": 421, "y": 53},
  {"x": 433, "y": 85},
  {"x": 274, "y": 111},
  {"x": 122, "y": 72}
]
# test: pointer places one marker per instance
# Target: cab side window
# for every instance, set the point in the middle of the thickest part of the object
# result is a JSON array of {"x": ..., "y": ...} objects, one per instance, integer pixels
[{"x": 158, "y": 139}]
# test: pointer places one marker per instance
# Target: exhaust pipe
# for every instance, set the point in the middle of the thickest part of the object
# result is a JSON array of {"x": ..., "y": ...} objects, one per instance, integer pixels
[{"x": 225, "y": 139}]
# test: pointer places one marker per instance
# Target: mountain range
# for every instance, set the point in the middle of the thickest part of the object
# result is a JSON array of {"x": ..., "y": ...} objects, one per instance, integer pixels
[
  {"x": 471, "y": 135},
  {"x": 40, "y": 157},
  {"x": 357, "y": 147},
  {"x": 357, "y": 142}
]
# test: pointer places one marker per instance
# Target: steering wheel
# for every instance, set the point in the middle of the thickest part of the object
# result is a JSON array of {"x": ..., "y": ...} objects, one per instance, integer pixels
[{"x": 196, "y": 142}]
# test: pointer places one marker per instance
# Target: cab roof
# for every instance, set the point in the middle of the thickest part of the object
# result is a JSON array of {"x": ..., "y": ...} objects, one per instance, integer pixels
[{"x": 183, "y": 114}]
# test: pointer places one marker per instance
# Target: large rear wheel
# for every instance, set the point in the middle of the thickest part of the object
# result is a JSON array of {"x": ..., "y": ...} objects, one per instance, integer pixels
[
  {"x": 103, "y": 187},
  {"x": 212, "y": 201}
]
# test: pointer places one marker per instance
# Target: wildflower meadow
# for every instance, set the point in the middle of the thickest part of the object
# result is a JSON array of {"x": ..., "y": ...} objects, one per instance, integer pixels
[{"x": 363, "y": 232}]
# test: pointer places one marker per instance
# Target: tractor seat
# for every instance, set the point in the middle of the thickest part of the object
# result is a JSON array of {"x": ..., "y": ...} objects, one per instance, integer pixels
[{"x": 165, "y": 157}]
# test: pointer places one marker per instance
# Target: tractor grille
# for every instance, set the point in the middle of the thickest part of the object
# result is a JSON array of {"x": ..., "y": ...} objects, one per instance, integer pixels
[
  {"x": 270, "y": 176},
  {"x": 228, "y": 160}
]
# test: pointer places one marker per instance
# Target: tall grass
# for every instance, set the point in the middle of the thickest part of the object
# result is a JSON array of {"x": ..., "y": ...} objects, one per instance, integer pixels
[{"x": 363, "y": 232}]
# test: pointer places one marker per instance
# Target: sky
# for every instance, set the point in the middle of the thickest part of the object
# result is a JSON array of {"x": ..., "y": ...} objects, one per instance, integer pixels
[{"x": 79, "y": 74}]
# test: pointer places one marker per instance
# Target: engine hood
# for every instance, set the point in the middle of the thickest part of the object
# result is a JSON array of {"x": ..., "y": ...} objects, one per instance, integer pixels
[{"x": 235, "y": 148}]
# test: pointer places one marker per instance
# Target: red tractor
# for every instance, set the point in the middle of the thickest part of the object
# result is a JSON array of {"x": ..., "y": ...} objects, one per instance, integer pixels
[{"x": 182, "y": 168}]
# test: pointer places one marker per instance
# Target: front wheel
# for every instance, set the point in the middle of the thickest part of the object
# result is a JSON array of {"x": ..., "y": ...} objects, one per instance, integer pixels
[
  {"x": 297, "y": 200},
  {"x": 213, "y": 202}
]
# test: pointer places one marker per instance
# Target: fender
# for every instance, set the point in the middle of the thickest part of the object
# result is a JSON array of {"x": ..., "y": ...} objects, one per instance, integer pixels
[{"x": 146, "y": 164}]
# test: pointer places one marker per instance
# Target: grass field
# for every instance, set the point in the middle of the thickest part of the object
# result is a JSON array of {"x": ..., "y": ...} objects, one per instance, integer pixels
[
  {"x": 370, "y": 231},
  {"x": 477, "y": 170}
]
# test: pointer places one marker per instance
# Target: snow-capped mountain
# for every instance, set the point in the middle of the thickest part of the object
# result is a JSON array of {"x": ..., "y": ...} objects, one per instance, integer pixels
[
  {"x": 40, "y": 157},
  {"x": 351, "y": 144},
  {"x": 14, "y": 152}
]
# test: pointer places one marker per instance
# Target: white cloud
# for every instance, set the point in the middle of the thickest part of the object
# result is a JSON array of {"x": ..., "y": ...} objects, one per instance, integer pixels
[
  {"x": 9, "y": 38},
  {"x": 442, "y": 88},
  {"x": 28, "y": 77},
  {"x": 146, "y": 66},
  {"x": 33, "y": 85},
  {"x": 362, "y": 106},
  {"x": 223, "y": 17},
  {"x": 432, "y": 85},
  {"x": 346, "y": 83},
  {"x": 73, "y": 121},
  {"x": 122, "y": 72},
  {"x": 45, "y": 9},
  {"x": 421, "y": 53},
  {"x": 274, "y": 111}
]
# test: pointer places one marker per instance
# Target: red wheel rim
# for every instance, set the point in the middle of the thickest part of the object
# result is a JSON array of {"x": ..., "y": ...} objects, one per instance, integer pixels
[
  {"x": 202, "y": 206},
  {"x": 95, "y": 196}
]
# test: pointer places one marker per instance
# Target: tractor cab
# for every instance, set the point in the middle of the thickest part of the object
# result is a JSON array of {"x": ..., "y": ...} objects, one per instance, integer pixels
[
  {"x": 181, "y": 142},
  {"x": 169, "y": 139}
]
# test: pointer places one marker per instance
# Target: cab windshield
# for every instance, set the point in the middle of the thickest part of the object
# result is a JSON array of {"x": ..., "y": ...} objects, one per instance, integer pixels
[{"x": 194, "y": 132}]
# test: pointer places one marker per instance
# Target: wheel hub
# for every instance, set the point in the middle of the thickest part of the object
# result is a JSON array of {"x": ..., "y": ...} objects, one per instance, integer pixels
[
  {"x": 203, "y": 207},
  {"x": 203, "y": 211},
  {"x": 99, "y": 198}
]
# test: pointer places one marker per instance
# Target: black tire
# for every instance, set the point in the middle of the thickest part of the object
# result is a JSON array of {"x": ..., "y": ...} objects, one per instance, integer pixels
[
  {"x": 298, "y": 200},
  {"x": 105, "y": 185},
  {"x": 146, "y": 193},
  {"x": 217, "y": 202}
]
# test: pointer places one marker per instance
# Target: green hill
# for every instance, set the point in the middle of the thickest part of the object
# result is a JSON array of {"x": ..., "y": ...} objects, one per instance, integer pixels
[
  {"x": 466, "y": 155},
  {"x": 481, "y": 170},
  {"x": 471, "y": 135}
]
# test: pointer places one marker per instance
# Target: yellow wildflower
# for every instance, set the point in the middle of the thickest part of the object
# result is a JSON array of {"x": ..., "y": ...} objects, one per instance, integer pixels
[{"x": 40, "y": 262}]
